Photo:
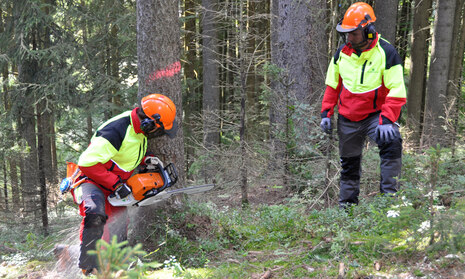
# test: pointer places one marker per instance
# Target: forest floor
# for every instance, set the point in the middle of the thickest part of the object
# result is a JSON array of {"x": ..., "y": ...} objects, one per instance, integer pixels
[{"x": 311, "y": 256}]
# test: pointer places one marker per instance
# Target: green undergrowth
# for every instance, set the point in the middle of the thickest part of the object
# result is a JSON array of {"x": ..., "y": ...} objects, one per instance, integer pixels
[
  {"x": 419, "y": 232},
  {"x": 287, "y": 240}
]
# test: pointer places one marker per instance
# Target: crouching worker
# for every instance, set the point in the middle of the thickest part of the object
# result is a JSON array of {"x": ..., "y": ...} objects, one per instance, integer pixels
[
  {"x": 365, "y": 80},
  {"x": 116, "y": 149}
]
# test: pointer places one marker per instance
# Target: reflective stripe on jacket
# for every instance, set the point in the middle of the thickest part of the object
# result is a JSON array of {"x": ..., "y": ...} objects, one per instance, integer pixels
[
  {"x": 116, "y": 149},
  {"x": 363, "y": 84}
]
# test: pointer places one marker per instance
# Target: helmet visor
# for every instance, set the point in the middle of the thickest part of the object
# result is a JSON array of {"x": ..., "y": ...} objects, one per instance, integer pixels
[{"x": 342, "y": 28}]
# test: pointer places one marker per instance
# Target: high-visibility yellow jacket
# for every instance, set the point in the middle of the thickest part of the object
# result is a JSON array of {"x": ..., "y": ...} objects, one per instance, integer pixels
[
  {"x": 116, "y": 149},
  {"x": 365, "y": 83}
]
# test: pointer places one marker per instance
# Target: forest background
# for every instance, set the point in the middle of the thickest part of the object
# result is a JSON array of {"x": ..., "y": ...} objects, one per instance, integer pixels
[{"x": 247, "y": 78}]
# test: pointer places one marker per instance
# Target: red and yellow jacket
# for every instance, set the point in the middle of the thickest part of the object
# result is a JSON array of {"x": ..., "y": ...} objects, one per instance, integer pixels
[
  {"x": 116, "y": 149},
  {"x": 364, "y": 84}
]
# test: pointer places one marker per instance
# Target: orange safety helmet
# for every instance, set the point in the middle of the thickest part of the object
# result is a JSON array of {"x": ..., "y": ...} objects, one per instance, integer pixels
[
  {"x": 358, "y": 15},
  {"x": 161, "y": 111}
]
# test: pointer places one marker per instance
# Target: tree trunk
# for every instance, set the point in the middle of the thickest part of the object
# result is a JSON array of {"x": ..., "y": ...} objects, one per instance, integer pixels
[
  {"x": 15, "y": 191},
  {"x": 192, "y": 75},
  {"x": 114, "y": 69},
  {"x": 455, "y": 71},
  {"x": 5, "y": 185},
  {"x": 419, "y": 62},
  {"x": 53, "y": 150},
  {"x": 437, "y": 108},
  {"x": 403, "y": 28},
  {"x": 27, "y": 70},
  {"x": 298, "y": 51},
  {"x": 158, "y": 50},
  {"x": 211, "y": 92},
  {"x": 243, "y": 71},
  {"x": 278, "y": 100},
  {"x": 386, "y": 18},
  {"x": 334, "y": 17}
]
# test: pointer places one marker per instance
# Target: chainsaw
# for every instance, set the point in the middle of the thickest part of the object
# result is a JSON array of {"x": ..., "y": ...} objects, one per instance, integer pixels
[{"x": 148, "y": 187}]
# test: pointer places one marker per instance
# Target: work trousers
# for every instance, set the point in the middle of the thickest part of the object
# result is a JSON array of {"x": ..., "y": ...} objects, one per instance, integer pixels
[
  {"x": 100, "y": 220},
  {"x": 352, "y": 137}
]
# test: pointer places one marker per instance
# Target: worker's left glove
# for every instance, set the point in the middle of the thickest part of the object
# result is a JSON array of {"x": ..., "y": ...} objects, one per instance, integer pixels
[
  {"x": 385, "y": 133},
  {"x": 326, "y": 125},
  {"x": 122, "y": 191}
]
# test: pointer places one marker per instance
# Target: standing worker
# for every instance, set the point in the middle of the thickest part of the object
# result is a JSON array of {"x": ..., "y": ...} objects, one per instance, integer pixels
[
  {"x": 365, "y": 80},
  {"x": 116, "y": 149}
]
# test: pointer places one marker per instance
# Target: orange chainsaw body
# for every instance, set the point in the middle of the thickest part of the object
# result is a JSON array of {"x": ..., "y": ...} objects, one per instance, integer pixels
[{"x": 142, "y": 182}]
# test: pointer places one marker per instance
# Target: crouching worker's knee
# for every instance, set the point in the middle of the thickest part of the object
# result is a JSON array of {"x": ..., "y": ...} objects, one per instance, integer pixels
[{"x": 94, "y": 220}]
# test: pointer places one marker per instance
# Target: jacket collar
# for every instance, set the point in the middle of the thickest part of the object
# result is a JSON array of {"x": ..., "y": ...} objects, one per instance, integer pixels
[
  {"x": 348, "y": 50},
  {"x": 135, "y": 121}
]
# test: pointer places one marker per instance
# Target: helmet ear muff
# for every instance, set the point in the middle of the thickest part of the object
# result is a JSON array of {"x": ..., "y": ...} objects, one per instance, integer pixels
[
  {"x": 147, "y": 125},
  {"x": 370, "y": 31}
]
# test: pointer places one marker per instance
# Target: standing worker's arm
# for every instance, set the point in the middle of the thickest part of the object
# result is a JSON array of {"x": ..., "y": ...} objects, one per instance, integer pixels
[
  {"x": 393, "y": 79},
  {"x": 333, "y": 87}
]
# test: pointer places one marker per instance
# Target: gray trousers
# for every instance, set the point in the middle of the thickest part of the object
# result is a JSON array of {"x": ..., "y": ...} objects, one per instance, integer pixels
[{"x": 352, "y": 137}]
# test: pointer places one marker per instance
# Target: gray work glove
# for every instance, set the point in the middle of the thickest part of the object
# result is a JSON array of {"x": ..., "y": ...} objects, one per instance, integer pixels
[
  {"x": 326, "y": 125},
  {"x": 122, "y": 191},
  {"x": 385, "y": 133}
]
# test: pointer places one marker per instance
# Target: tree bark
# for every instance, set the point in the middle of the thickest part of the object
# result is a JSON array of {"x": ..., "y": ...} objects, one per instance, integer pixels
[
  {"x": 243, "y": 71},
  {"x": 418, "y": 68},
  {"x": 297, "y": 50},
  {"x": 158, "y": 51},
  {"x": 211, "y": 92},
  {"x": 15, "y": 191},
  {"x": 386, "y": 18},
  {"x": 437, "y": 107},
  {"x": 5, "y": 185},
  {"x": 455, "y": 71},
  {"x": 27, "y": 70},
  {"x": 191, "y": 79},
  {"x": 403, "y": 25}
]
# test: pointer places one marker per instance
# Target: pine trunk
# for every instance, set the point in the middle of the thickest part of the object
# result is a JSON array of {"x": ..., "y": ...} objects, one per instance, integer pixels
[
  {"x": 418, "y": 68},
  {"x": 455, "y": 71},
  {"x": 437, "y": 107},
  {"x": 298, "y": 51},
  {"x": 191, "y": 76},
  {"x": 158, "y": 51},
  {"x": 403, "y": 29},
  {"x": 15, "y": 190},
  {"x": 386, "y": 18},
  {"x": 243, "y": 71},
  {"x": 5, "y": 186},
  {"x": 211, "y": 92}
]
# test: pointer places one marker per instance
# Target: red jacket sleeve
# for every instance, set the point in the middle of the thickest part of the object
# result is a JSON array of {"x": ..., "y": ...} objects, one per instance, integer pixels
[
  {"x": 330, "y": 99},
  {"x": 100, "y": 174}
]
